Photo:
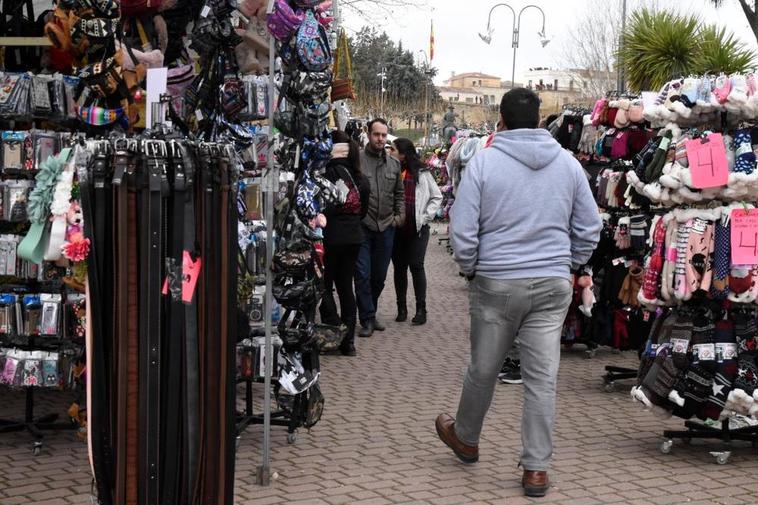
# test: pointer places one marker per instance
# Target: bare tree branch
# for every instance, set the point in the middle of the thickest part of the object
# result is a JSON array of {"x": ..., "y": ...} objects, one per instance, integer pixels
[{"x": 368, "y": 9}]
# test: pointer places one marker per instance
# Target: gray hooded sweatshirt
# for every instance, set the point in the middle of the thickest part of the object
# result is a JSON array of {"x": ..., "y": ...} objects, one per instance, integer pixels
[{"x": 524, "y": 209}]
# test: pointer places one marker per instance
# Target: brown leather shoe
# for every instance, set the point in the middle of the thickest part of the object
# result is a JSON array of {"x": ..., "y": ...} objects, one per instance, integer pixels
[
  {"x": 446, "y": 430},
  {"x": 535, "y": 483}
]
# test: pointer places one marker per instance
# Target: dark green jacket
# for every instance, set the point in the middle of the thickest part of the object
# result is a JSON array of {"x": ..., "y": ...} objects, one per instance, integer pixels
[{"x": 386, "y": 205}]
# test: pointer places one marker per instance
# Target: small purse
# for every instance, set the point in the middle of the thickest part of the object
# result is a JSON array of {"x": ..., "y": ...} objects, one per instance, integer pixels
[{"x": 342, "y": 87}]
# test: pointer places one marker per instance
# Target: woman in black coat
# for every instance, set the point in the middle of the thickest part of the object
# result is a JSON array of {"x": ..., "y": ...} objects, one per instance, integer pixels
[{"x": 343, "y": 236}]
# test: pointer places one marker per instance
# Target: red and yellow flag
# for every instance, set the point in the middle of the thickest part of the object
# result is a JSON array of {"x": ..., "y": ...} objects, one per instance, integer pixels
[{"x": 431, "y": 43}]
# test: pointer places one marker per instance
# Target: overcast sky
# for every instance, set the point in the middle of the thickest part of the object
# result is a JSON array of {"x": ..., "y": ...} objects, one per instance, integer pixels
[{"x": 457, "y": 22}]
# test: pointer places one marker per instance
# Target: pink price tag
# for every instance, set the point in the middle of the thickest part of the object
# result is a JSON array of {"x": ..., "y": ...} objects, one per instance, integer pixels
[
  {"x": 707, "y": 159},
  {"x": 744, "y": 237},
  {"x": 190, "y": 274}
]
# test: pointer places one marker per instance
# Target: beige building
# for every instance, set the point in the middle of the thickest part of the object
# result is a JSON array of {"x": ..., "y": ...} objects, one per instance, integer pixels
[{"x": 474, "y": 88}]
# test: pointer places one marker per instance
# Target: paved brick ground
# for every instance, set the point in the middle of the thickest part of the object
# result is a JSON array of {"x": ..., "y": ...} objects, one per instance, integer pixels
[{"x": 376, "y": 443}]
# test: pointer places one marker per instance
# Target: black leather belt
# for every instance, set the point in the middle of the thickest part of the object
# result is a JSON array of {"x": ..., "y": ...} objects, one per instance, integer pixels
[
  {"x": 92, "y": 185},
  {"x": 171, "y": 433},
  {"x": 155, "y": 170},
  {"x": 191, "y": 387}
]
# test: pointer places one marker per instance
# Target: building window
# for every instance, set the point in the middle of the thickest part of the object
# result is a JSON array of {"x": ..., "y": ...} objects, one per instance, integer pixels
[
  {"x": 571, "y": 85},
  {"x": 492, "y": 98},
  {"x": 469, "y": 100},
  {"x": 555, "y": 84},
  {"x": 530, "y": 84}
]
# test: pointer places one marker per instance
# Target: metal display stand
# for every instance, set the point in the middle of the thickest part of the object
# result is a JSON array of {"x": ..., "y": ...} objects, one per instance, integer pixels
[
  {"x": 616, "y": 373},
  {"x": 35, "y": 426},
  {"x": 263, "y": 476},
  {"x": 703, "y": 431}
]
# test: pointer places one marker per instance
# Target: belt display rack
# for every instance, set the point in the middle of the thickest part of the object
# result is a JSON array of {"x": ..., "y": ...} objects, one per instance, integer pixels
[{"x": 161, "y": 283}]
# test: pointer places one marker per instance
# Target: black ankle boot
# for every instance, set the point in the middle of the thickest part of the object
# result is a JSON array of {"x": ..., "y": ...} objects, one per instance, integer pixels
[
  {"x": 402, "y": 313},
  {"x": 347, "y": 347},
  {"x": 420, "y": 317}
]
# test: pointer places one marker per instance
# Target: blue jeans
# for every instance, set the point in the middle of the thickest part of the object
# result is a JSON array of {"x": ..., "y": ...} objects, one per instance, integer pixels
[{"x": 371, "y": 270}]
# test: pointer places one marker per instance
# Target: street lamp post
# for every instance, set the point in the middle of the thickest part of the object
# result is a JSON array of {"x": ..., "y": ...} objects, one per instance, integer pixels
[
  {"x": 516, "y": 32},
  {"x": 383, "y": 75},
  {"x": 428, "y": 73}
]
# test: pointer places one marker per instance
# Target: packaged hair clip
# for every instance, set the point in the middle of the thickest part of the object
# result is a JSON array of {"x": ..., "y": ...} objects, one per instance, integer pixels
[
  {"x": 45, "y": 144},
  {"x": 15, "y": 145},
  {"x": 8, "y": 304},
  {"x": 70, "y": 85},
  {"x": 41, "y": 98},
  {"x": 32, "y": 310},
  {"x": 51, "y": 310}
]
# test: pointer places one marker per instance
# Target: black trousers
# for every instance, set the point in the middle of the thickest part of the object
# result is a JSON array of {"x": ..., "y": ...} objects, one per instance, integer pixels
[
  {"x": 409, "y": 254},
  {"x": 339, "y": 267}
]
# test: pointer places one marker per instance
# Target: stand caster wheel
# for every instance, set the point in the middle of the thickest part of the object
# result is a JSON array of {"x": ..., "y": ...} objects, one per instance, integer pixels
[
  {"x": 37, "y": 448},
  {"x": 666, "y": 446},
  {"x": 609, "y": 387},
  {"x": 291, "y": 438},
  {"x": 590, "y": 353},
  {"x": 722, "y": 458}
]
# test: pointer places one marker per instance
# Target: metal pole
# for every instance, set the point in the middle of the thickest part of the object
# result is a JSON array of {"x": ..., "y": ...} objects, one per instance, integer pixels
[
  {"x": 381, "y": 108},
  {"x": 621, "y": 85},
  {"x": 516, "y": 30},
  {"x": 264, "y": 471},
  {"x": 513, "y": 72},
  {"x": 426, "y": 114}
]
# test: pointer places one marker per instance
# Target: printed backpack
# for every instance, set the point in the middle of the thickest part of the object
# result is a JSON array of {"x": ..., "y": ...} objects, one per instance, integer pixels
[{"x": 313, "y": 45}]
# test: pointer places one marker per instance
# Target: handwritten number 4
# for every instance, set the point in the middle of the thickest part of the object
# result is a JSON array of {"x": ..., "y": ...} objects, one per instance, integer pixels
[
  {"x": 753, "y": 246},
  {"x": 708, "y": 163}
]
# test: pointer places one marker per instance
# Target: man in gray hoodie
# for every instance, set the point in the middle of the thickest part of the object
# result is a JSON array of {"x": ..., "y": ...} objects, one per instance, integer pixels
[{"x": 523, "y": 220}]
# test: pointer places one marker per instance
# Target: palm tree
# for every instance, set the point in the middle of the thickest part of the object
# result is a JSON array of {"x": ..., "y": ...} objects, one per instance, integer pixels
[
  {"x": 660, "y": 46},
  {"x": 751, "y": 13}
]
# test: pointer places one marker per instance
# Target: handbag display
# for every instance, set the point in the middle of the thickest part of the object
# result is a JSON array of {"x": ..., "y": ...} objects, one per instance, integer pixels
[{"x": 342, "y": 87}]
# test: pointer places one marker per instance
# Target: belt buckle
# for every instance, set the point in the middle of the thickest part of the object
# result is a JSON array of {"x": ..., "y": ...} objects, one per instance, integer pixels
[
  {"x": 156, "y": 153},
  {"x": 177, "y": 160}
]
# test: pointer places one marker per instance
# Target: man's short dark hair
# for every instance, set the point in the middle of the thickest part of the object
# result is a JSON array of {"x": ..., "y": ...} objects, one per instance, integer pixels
[
  {"x": 520, "y": 108},
  {"x": 374, "y": 121}
]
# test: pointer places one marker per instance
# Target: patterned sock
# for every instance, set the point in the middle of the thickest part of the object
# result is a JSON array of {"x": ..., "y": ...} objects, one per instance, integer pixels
[
  {"x": 721, "y": 261},
  {"x": 725, "y": 368},
  {"x": 681, "y": 334},
  {"x": 744, "y": 157},
  {"x": 745, "y": 331},
  {"x": 680, "y": 275},
  {"x": 698, "y": 269}
]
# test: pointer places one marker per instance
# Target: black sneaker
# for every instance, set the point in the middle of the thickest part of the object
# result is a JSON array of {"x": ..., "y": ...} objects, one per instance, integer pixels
[{"x": 511, "y": 372}]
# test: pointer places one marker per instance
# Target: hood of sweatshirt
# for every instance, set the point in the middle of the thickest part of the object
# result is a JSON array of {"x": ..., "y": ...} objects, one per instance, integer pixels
[{"x": 535, "y": 148}]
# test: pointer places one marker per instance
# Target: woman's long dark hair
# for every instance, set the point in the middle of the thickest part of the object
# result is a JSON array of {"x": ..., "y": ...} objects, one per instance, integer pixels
[
  {"x": 354, "y": 151},
  {"x": 412, "y": 161}
]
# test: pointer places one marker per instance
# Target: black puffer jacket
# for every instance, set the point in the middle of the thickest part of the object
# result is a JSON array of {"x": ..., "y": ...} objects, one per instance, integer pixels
[{"x": 345, "y": 229}]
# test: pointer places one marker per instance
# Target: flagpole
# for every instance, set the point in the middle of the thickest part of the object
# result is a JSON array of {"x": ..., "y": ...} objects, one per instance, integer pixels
[{"x": 428, "y": 74}]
